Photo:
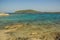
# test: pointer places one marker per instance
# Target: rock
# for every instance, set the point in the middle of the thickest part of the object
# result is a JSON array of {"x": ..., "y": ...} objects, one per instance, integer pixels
[{"x": 3, "y": 14}]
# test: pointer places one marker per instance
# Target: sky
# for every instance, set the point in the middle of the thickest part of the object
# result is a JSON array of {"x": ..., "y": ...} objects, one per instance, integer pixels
[{"x": 40, "y": 5}]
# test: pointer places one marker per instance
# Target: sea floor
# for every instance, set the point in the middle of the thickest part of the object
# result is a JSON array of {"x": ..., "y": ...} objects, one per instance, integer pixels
[{"x": 30, "y": 31}]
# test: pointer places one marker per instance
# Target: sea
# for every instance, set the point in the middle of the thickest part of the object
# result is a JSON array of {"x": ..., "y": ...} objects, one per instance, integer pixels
[{"x": 38, "y": 18}]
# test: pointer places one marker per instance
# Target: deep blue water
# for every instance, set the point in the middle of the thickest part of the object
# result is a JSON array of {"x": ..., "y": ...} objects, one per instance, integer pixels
[{"x": 38, "y": 18}]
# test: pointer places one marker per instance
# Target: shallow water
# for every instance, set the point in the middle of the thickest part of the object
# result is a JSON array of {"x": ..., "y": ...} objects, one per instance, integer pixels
[
  {"x": 23, "y": 18},
  {"x": 49, "y": 30}
]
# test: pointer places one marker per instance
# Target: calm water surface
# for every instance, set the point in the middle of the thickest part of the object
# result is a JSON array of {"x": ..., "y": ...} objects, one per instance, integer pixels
[{"x": 38, "y": 18}]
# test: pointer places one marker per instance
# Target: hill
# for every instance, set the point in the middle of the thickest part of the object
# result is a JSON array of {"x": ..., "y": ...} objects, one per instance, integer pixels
[
  {"x": 27, "y": 11},
  {"x": 32, "y": 11}
]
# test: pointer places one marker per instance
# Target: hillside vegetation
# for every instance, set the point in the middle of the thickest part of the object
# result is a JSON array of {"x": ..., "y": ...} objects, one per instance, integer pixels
[{"x": 26, "y": 11}]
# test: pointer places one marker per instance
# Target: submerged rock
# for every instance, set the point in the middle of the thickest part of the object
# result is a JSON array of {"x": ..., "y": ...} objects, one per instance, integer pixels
[{"x": 30, "y": 32}]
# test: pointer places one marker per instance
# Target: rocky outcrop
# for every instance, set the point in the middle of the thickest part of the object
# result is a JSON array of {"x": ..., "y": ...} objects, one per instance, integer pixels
[{"x": 3, "y": 14}]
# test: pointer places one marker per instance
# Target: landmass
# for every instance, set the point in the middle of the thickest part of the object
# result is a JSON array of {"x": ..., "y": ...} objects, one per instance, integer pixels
[
  {"x": 27, "y": 11},
  {"x": 33, "y": 11}
]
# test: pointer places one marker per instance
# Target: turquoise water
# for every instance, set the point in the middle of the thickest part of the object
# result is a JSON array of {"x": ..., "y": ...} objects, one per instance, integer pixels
[{"x": 37, "y": 18}]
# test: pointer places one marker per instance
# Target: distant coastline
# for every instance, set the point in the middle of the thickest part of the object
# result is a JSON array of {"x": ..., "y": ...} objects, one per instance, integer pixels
[
  {"x": 32, "y": 11},
  {"x": 26, "y": 11}
]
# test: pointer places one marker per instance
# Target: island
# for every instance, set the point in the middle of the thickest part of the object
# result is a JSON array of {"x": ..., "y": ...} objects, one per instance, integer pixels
[
  {"x": 27, "y": 11},
  {"x": 34, "y": 11}
]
